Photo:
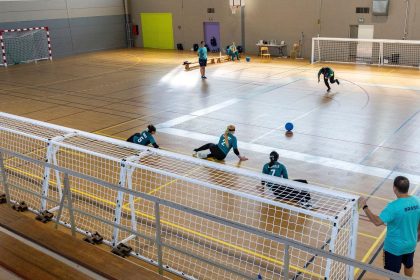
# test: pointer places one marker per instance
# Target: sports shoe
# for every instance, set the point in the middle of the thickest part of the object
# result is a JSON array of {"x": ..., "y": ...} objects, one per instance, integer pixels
[
  {"x": 306, "y": 205},
  {"x": 328, "y": 90},
  {"x": 203, "y": 77},
  {"x": 338, "y": 83}
]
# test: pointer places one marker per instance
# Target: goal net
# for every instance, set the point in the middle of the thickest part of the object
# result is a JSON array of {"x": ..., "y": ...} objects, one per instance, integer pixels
[
  {"x": 193, "y": 246},
  {"x": 25, "y": 45},
  {"x": 402, "y": 53}
]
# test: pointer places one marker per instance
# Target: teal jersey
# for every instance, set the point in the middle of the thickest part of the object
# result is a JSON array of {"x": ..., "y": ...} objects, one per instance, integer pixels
[
  {"x": 277, "y": 169},
  {"x": 202, "y": 53},
  {"x": 233, "y": 143},
  {"x": 144, "y": 138},
  {"x": 402, "y": 218},
  {"x": 329, "y": 73}
]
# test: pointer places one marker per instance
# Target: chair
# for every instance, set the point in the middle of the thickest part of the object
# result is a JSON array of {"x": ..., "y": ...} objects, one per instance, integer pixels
[{"x": 264, "y": 52}]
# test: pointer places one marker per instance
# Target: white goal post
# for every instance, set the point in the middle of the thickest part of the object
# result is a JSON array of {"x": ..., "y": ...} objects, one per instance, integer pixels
[
  {"x": 221, "y": 192},
  {"x": 382, "y": 52},
  {"x": 22, "y": 45}
]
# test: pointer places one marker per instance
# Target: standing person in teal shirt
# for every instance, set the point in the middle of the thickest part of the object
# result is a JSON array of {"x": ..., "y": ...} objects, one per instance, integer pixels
[
  {"x": 328, "y": 73},
  {"x": 202, "y": 59},
  {"x": 226, "y": 142},
  {"x": 275, "y": 168},
  {"x": 145, "y": 137},
  {"x": 402, "y": 219}
]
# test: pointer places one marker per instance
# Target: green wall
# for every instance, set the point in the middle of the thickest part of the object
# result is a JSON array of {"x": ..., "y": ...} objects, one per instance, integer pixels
[{"x": 157, "y": 30}]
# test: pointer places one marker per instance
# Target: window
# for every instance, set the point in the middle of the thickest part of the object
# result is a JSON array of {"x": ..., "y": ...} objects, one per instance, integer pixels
[{"x": 362, "y": 10}]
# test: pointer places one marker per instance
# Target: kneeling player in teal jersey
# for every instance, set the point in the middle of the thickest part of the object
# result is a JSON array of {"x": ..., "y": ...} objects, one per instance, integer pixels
[
  {"x": 328, "y": 73},
  {"x": 226, "y": 142},
  {"x": 275, "y": 168},
  {"x": 145, "y": 138}
]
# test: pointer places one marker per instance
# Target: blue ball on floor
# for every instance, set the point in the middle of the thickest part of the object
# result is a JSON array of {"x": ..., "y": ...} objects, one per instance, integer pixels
[
  {"x": 248, "y": 59},
  {"x": 289, "y": 126}
]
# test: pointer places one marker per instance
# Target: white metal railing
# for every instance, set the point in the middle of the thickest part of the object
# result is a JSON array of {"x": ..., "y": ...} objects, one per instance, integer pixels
[
  {"x": 73, "y": 209},
  {"x": 105, "y": 172}
]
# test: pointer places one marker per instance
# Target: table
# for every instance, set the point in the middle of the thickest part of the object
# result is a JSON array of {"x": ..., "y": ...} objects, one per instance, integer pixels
[{"x": 280, "y": 47}]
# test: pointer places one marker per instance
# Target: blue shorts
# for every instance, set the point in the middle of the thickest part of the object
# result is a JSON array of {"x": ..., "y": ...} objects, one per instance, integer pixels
[
  {"x": 202, "y": 62},
  {"x": 393, "y": 262}
]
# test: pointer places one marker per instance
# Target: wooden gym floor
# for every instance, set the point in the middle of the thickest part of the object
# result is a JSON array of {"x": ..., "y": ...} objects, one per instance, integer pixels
[{"x": 356, "y": 138}]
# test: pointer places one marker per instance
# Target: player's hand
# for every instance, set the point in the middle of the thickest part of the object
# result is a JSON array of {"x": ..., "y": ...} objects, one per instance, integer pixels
[
  {"x": 362, "y": 201},
  {"x": 242, "y": 158}
]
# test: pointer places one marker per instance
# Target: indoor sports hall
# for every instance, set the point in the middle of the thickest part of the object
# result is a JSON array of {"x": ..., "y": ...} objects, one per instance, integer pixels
[{"x": 332, "y": 86}]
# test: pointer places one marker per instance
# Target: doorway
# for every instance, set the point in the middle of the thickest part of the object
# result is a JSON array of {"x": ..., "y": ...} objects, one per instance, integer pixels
[
  {"x": 364, "y": 49},
  {"x": 212, "y": 35}
]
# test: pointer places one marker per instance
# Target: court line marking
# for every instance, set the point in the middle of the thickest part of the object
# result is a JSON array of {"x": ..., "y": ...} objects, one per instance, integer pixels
[
  {"x": 331, "y": 187},
  {"x": 324, "y": 161},
  {"x": 164, "y": 185},
  {"x": 151, "y": 217},
  {"x": 390, "y": 86},
  {"x": 125, "y": 122},
  {"x": 258, "y": 170},
  {"x": 280, "y": 127},
  {"x": 253, "y": 169},
  {"x": 390, "y": 136},
  {"x": 198, "y": 113},
  {"x": 369, "y": 252}
]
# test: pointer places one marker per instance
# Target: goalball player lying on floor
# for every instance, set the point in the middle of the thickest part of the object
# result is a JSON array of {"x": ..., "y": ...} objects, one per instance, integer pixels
[{"x": 145, "y": 137}]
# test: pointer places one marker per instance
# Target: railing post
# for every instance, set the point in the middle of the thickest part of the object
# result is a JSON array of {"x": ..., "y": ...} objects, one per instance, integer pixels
[
  {"x": 51, "y": 158},
  {"x": 319, "y": 50},
  {"x": 313, "y": 51},
  {"x": 158, "y": 240},
  {"x": 4, "y": 178},
  {"x": 119, "y": 202},
  {"x": 353, "y": 239},
  {"x": 334, "y": 234},
  {"x": 67, "y": 193},
  {"x": 381, "y": 53},
  {"x": 286, "y": 261},
  {"x": 46, "y": 177}
]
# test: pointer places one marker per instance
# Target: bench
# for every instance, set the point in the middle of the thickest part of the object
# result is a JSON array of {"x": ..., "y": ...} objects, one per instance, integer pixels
[
  {"x": 80, "y": 252},
  {"x": 29, "y": 263},
  {"x": 211, "y": 60}
]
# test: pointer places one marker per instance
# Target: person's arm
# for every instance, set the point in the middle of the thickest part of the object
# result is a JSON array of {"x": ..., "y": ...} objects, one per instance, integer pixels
[
  {"x": 319, "y": 74},
  {"x": 372, "y": 217},
  {"x": 153, "y": 141},
  {"x": 418, "y": 233},
  {"x": 241, "y": 158},
  {"x": 285, "y": 175},
  {"x": 236, "y": 151}
]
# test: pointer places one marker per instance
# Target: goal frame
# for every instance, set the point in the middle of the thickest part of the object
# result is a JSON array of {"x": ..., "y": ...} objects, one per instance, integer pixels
[
  {"x": 317, "y": 57},
  {"x": 3, "y": 46}
]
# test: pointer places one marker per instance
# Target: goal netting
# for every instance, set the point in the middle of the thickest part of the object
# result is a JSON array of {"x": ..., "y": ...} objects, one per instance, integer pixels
[
  {"x": 25, "y": 45},
  {"x": 402, "y": 53},
  {"x": 195, "y": 247}
]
